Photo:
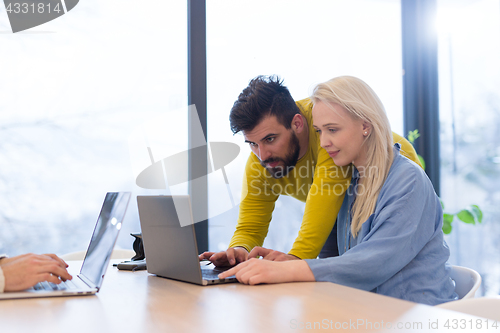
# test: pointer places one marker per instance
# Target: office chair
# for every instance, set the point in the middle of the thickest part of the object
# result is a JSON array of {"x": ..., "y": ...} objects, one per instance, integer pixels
[{"x": 467, "y": 281}]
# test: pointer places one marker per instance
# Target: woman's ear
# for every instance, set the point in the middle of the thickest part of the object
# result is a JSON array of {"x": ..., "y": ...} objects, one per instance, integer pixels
[{"x": 367, "y": 127}]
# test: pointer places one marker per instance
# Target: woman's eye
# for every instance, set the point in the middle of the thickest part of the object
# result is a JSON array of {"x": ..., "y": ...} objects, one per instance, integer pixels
[{"x": 332, "y": 130}]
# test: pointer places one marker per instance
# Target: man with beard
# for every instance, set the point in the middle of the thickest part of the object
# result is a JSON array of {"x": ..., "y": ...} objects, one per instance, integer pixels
[{"x": 286, "y": 159}]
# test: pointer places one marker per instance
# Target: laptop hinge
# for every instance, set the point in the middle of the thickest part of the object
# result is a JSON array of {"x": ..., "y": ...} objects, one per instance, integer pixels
[{"x": 87, "y": 281}]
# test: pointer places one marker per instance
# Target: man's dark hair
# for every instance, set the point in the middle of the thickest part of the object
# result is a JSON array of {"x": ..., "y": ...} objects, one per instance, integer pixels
[{"x": 264, "y": 96}]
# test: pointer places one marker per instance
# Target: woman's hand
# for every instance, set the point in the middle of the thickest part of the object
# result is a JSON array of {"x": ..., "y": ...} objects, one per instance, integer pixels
[
  {"x": 256, "y": 271},
  {"x": 26, "y": 270}
]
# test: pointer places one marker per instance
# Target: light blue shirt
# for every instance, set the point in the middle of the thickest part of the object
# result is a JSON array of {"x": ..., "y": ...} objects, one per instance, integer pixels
[{"x": 400, "y": 250}]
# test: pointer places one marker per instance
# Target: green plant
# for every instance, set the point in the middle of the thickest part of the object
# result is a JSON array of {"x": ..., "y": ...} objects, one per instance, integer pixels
[
  {"x": 471, "y": 214},
  {"x": 412, "y": 136}
]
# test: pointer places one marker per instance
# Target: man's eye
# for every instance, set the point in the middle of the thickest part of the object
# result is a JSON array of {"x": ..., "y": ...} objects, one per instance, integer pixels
[
  {"x": 269, "y": 140},
  {"x": 252, "y": 144}
]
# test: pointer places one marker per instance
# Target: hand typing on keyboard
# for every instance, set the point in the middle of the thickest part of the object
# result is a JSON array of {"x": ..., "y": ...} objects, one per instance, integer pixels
[
  {"x": 25, "y": 271},
  {"x": 49, "y": 286}
]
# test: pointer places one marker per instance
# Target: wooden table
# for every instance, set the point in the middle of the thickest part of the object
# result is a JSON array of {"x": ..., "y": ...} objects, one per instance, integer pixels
[{"x": 140, "y": 302}]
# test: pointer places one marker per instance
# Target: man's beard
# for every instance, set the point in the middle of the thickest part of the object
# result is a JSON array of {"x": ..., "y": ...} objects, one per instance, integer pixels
[{"x": 289, "y": 161}]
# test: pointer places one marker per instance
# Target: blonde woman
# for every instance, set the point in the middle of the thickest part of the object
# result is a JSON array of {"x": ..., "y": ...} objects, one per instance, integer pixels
[{"x": 389, "y": 226}]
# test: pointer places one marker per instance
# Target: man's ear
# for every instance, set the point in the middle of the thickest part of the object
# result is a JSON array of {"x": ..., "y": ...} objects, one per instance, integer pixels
[{"x": 298, "y": 123}]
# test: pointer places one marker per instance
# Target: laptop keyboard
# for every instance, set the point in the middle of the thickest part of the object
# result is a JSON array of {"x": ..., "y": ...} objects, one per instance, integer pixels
[{"x": 49, "y": 286}]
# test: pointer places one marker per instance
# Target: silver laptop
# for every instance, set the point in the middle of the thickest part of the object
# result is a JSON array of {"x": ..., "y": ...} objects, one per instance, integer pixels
[
  {"x": 89, "y": 281},
  {"x": 170, "y": 246}
]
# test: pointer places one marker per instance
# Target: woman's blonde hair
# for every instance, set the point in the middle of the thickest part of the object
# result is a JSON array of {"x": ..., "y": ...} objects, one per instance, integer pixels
[{"x": 361, "y": 102}]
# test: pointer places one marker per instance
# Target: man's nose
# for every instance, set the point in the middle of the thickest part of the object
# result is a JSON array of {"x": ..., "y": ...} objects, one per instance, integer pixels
[{"x": 264, "y": 153}]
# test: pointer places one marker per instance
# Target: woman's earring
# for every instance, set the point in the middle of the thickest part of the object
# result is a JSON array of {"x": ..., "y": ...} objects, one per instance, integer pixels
[{"x": 366, "y": 133}]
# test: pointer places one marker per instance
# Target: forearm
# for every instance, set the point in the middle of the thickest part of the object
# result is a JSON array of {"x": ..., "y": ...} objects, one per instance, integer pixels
[
  {"x": 253, "y": 222},
  {"x": 256, "y": 208},
  {"x": 2, "y": 277},
  {"x": 248, "y": 235},
  {"x": 352, "y": 271},
  {"x": 244, "y": 241}
]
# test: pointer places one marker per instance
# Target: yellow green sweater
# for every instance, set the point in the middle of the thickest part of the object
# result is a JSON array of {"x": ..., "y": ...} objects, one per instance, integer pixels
[{"x": 315, "y": 180}]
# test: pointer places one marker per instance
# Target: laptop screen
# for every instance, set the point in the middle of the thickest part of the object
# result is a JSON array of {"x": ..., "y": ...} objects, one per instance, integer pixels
[{"x": 104, "y": 237}]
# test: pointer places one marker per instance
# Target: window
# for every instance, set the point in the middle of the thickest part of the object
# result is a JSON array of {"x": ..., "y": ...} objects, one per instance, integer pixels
[
  {"x": 73, "y": 91},
  {"x": 469, "y": 75}
]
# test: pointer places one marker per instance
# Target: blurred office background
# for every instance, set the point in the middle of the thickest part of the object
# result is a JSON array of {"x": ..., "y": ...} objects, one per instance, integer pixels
[{"x": 82, "y": 97}]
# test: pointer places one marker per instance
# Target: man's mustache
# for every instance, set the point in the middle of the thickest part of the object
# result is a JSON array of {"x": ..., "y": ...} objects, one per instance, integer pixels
[{"x": 272, "y": 159}]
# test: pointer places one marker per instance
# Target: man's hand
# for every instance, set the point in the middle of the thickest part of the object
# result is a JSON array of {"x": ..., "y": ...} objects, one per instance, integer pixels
[
  {"x": 256, "y": 271},
  {"x": 269, "y": 254},
  {"x": 26, "y": 270},
  {"x": 230, "y": 257}
]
